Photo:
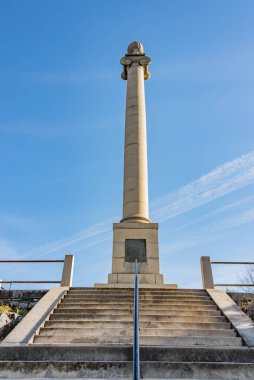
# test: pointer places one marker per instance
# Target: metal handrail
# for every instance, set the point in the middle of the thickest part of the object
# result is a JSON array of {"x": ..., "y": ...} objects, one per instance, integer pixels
[
  {"x": 29, "y": 282},
  {"x": 30, "y": 261},
  {"x": 233, "y": 262},
  {"x": 66, "y": 273},
  {"x": 207, "y": 273},
  {"x": 136, "y": 358},
  {"x": 244, "y": 285}
]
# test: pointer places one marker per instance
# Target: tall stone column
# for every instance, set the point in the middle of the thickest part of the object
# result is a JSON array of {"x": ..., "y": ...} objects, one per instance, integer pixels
[
  {"x": 135, "y": 195},
  {"x": 135, "y": 237}
]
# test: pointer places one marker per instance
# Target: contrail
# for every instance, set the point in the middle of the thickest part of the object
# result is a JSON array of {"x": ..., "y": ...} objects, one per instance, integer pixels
[
  {"x": 224, "y": 179},
  {"x": 96, "y": 232},
  {"x": 207, "y": 234}
]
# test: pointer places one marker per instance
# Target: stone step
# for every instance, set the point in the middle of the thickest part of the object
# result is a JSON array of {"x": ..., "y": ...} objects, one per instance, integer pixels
[
  {"x": 119, "y": 298},
  {"x": 213, "y": 310},
  {"x": 119, "y": 369},
  {"x": 143, "y": 324},
  {"x": 144, "y": 340},
  {"x": 94, "y": 306},
  {"x": 78, "y": 316},
  {"x": 141, "y": 295},
  {"x": 149, "y": 313},
  {"x": 124, "y": 353},
  {"x": 155, "y": 289},
  {"x": 149, "y": 318},
  {"x": 127, "y": 331},
  {"x": 125, "y": 289},
  {"x": 141, "y": 303}
]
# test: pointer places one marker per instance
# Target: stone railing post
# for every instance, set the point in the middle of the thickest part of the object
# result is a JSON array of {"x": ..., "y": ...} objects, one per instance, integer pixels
[
  {"x": 206, "y": 272},
  {"x": 67, "y": 270}
]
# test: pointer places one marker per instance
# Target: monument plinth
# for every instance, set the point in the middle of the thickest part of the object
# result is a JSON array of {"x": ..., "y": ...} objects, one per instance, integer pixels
[{"x": 135, "y": 237}]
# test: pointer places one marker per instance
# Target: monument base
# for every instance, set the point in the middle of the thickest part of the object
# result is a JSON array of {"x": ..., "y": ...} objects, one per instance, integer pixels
[
  {"x": 144, "y": 278},
  {"x": 135, "y": 240}
]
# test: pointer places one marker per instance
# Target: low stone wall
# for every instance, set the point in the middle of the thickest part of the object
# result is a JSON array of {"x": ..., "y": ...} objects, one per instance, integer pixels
[
  {"x": 14, "y": 305},
  {"x": 21, "y": 296}
]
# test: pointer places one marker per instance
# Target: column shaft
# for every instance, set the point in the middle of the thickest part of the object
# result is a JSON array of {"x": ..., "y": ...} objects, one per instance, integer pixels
[{"x": 135, "y": 197}]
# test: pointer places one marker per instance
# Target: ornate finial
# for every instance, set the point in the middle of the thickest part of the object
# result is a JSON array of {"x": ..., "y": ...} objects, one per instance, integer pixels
[
  {"x": 135, "y": 54},
  {"x": 135, "y": 48}
]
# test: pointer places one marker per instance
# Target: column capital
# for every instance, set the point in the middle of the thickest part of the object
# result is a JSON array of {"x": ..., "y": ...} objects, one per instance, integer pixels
[{"x": 135, "y": 56}]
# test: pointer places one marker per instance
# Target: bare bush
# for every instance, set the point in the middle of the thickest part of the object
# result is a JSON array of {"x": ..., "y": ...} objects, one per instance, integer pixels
[
  {"x": 248, "y": 278},
  {"x": 245, "y": 299}
]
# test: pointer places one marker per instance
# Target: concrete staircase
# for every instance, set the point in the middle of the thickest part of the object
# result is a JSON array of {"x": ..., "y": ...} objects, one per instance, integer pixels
[
  {"x": 178, "y": 317},
  {"x": 115, "y": 362},
  {"x": 183, "y": 335}
]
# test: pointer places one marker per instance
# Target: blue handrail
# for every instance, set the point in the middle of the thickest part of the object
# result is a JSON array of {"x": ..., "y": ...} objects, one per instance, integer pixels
[{"x": 136, "y": 359}]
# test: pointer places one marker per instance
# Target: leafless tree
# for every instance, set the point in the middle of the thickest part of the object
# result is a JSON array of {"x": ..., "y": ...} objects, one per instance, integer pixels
[
  {"x": 245, "y": 298},
  {"x": 248, "y": 279}
]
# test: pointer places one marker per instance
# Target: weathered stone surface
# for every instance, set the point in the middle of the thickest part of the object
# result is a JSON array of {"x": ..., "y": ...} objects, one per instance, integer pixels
[
  {"x": 89, "y": 335},
  {"x": 235, "y": 315},
  {"x": 135, "y": 224},
  {"x": 124, "y": 353},
  {"x": 98, "y": 316},
  {"x": 25, "y": 330},
  {"x": 116, "y": 362},
  {"x": 135, "y": 202},
  {"x": 99, "y": 370},
  {"x": 122, "y": 271}
]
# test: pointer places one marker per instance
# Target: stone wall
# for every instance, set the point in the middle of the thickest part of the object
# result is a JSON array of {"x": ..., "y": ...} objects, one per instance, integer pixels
[{"x": 14, "y": 305}]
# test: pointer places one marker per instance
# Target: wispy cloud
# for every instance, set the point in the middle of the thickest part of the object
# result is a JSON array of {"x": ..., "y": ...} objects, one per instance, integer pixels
[
  {"x": 7, "y": 251},
  {"x": 238, "y": 220},
  {"x": 97, "y": 232},
  {"x": 208, "y": 233},
  {"x": 223, "y": 180},
  {"x": 215, "y": 213},
  {"x": 18, "y": 222},
  {"x": 210, "y": 67}
]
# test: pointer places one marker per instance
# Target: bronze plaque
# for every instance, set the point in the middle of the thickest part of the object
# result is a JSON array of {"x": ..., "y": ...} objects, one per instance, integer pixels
[{"x": 135, "y": 249}]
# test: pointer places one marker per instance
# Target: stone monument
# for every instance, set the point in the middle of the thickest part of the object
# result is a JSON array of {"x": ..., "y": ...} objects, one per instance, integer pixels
[{"x": 135, "y": 237}]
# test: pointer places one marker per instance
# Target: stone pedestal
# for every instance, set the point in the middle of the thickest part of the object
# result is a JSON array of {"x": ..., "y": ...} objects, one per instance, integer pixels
[{"x": 126, "y": 240}]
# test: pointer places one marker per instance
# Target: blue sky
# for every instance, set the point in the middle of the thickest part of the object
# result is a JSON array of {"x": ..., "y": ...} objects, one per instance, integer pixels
[{"x": 62, "y": 126}]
